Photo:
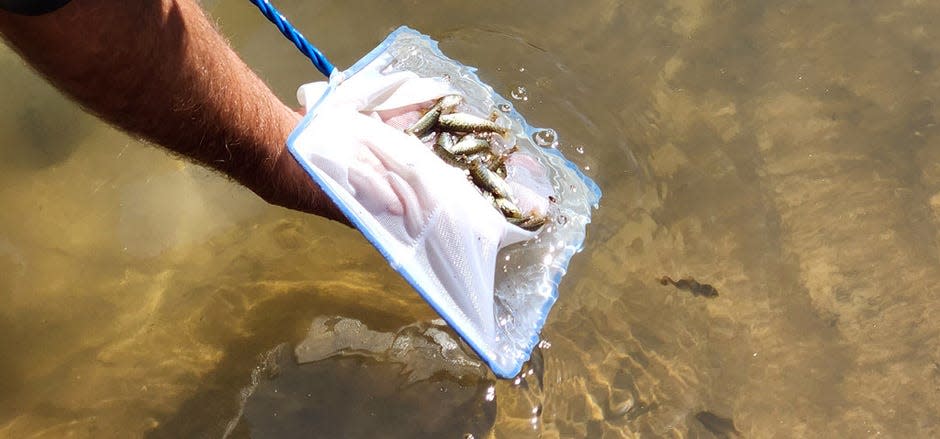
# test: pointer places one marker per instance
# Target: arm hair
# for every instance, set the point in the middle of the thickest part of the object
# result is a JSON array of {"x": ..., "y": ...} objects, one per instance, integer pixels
[{"x": 159, "y": 69}]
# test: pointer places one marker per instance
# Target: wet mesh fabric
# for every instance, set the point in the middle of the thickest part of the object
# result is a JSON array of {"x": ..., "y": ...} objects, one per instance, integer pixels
[{"x": 492, "y": 281}]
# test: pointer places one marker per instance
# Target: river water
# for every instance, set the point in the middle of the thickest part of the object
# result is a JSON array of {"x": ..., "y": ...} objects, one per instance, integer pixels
[{"x": 785, "y": 153}]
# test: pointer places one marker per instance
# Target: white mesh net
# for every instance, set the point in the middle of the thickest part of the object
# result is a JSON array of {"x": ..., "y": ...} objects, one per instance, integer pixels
[{"x": 492, "y": 281}]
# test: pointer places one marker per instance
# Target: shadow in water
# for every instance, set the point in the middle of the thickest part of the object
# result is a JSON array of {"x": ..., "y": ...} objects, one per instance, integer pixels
[
  {"x": 348, "y": 396},
  {"x": 357, "y": 396},
  {"x": 46, "y": 129}
]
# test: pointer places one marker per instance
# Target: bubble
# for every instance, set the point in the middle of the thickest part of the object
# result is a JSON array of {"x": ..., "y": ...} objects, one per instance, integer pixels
[
  {"x": 520, "y": 93},
  {"x": 579, "y": 149},
  {"x": 546, "y": 138},
  {"x": 561, "y": 219},
  {"x": 504, "y": 107}
]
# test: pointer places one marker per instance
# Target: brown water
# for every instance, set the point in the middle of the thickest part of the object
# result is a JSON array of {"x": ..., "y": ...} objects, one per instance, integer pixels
[{"x": 786, "y": 154}]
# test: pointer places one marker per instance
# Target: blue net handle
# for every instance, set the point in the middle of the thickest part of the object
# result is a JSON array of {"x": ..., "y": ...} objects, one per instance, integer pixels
[{"x": 320, "y": 61}]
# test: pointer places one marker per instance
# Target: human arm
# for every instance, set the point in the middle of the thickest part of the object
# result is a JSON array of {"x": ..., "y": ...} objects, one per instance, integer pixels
[{"x": 160, "y": 70}]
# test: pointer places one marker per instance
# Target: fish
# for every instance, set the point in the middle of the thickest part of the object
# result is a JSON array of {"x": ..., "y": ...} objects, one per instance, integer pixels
[
  {"x": 488, "y": 180},
  {"x": 533, "y": 222},
  {"x": 468, "y": 123},
  {"x": 446, "y": 140},
  {"x": 720, "y": 426},
  {"x": 507, "y": 208},
  {"x": 692, "y": 286},
  {"x": 498, "y": 163},
  {"x": 469, "y": 145},
  {"x": 429, "y": 119},
  {"x": 442, "y": 147}
]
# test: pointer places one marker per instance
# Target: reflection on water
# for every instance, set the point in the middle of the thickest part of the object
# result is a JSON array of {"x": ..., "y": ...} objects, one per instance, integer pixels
[{"x": 782, "y": 153}]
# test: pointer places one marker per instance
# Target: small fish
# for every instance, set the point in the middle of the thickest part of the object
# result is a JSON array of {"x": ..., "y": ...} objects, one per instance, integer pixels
[
  {"x": 488, "y": 180},
  {"x": 469, "y": 145},
  {"x": 507, "y": 208},
  {"x": 442, "y": 147},
  {"x": 467, "y": 123},
  {"x": 446, "y": 140},
  {"x": 424, "y": 124},
  {"x": 720, "y": 426},
  {"x": 692, "y": 286},
  {"x": 498, "y": 164},
  {"x": 429, "y": 119},
  {"x": 532, "y": 222}
]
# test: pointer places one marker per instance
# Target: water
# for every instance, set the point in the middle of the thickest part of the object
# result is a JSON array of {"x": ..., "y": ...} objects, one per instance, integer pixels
[
  {"x": 546, "y": 138},
  {"x": 783, "y": 153}
]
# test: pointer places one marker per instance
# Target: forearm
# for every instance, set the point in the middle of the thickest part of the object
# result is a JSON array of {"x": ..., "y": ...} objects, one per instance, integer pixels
[{"x": 159, "y": 70}]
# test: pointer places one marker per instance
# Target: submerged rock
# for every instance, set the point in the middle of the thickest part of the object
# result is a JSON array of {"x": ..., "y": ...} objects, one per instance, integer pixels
[{"x": 346, "y": 380}]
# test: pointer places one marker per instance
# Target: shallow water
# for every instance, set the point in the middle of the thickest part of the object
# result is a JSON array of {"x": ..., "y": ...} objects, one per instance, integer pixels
[{"x": 785, "y": 154}]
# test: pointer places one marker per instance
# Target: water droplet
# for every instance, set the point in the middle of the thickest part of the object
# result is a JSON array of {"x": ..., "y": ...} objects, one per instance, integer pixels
[
  {"x": 579, "y": 149},
  {"x": 520, "y": 93},
  {"x": 561, "y": 219},
  {"x": 587, "y": 168},
  {"x": 521, "y": 69},
  {"x": 504, "y": 107},
  {"x": 546, "y": 138}
]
